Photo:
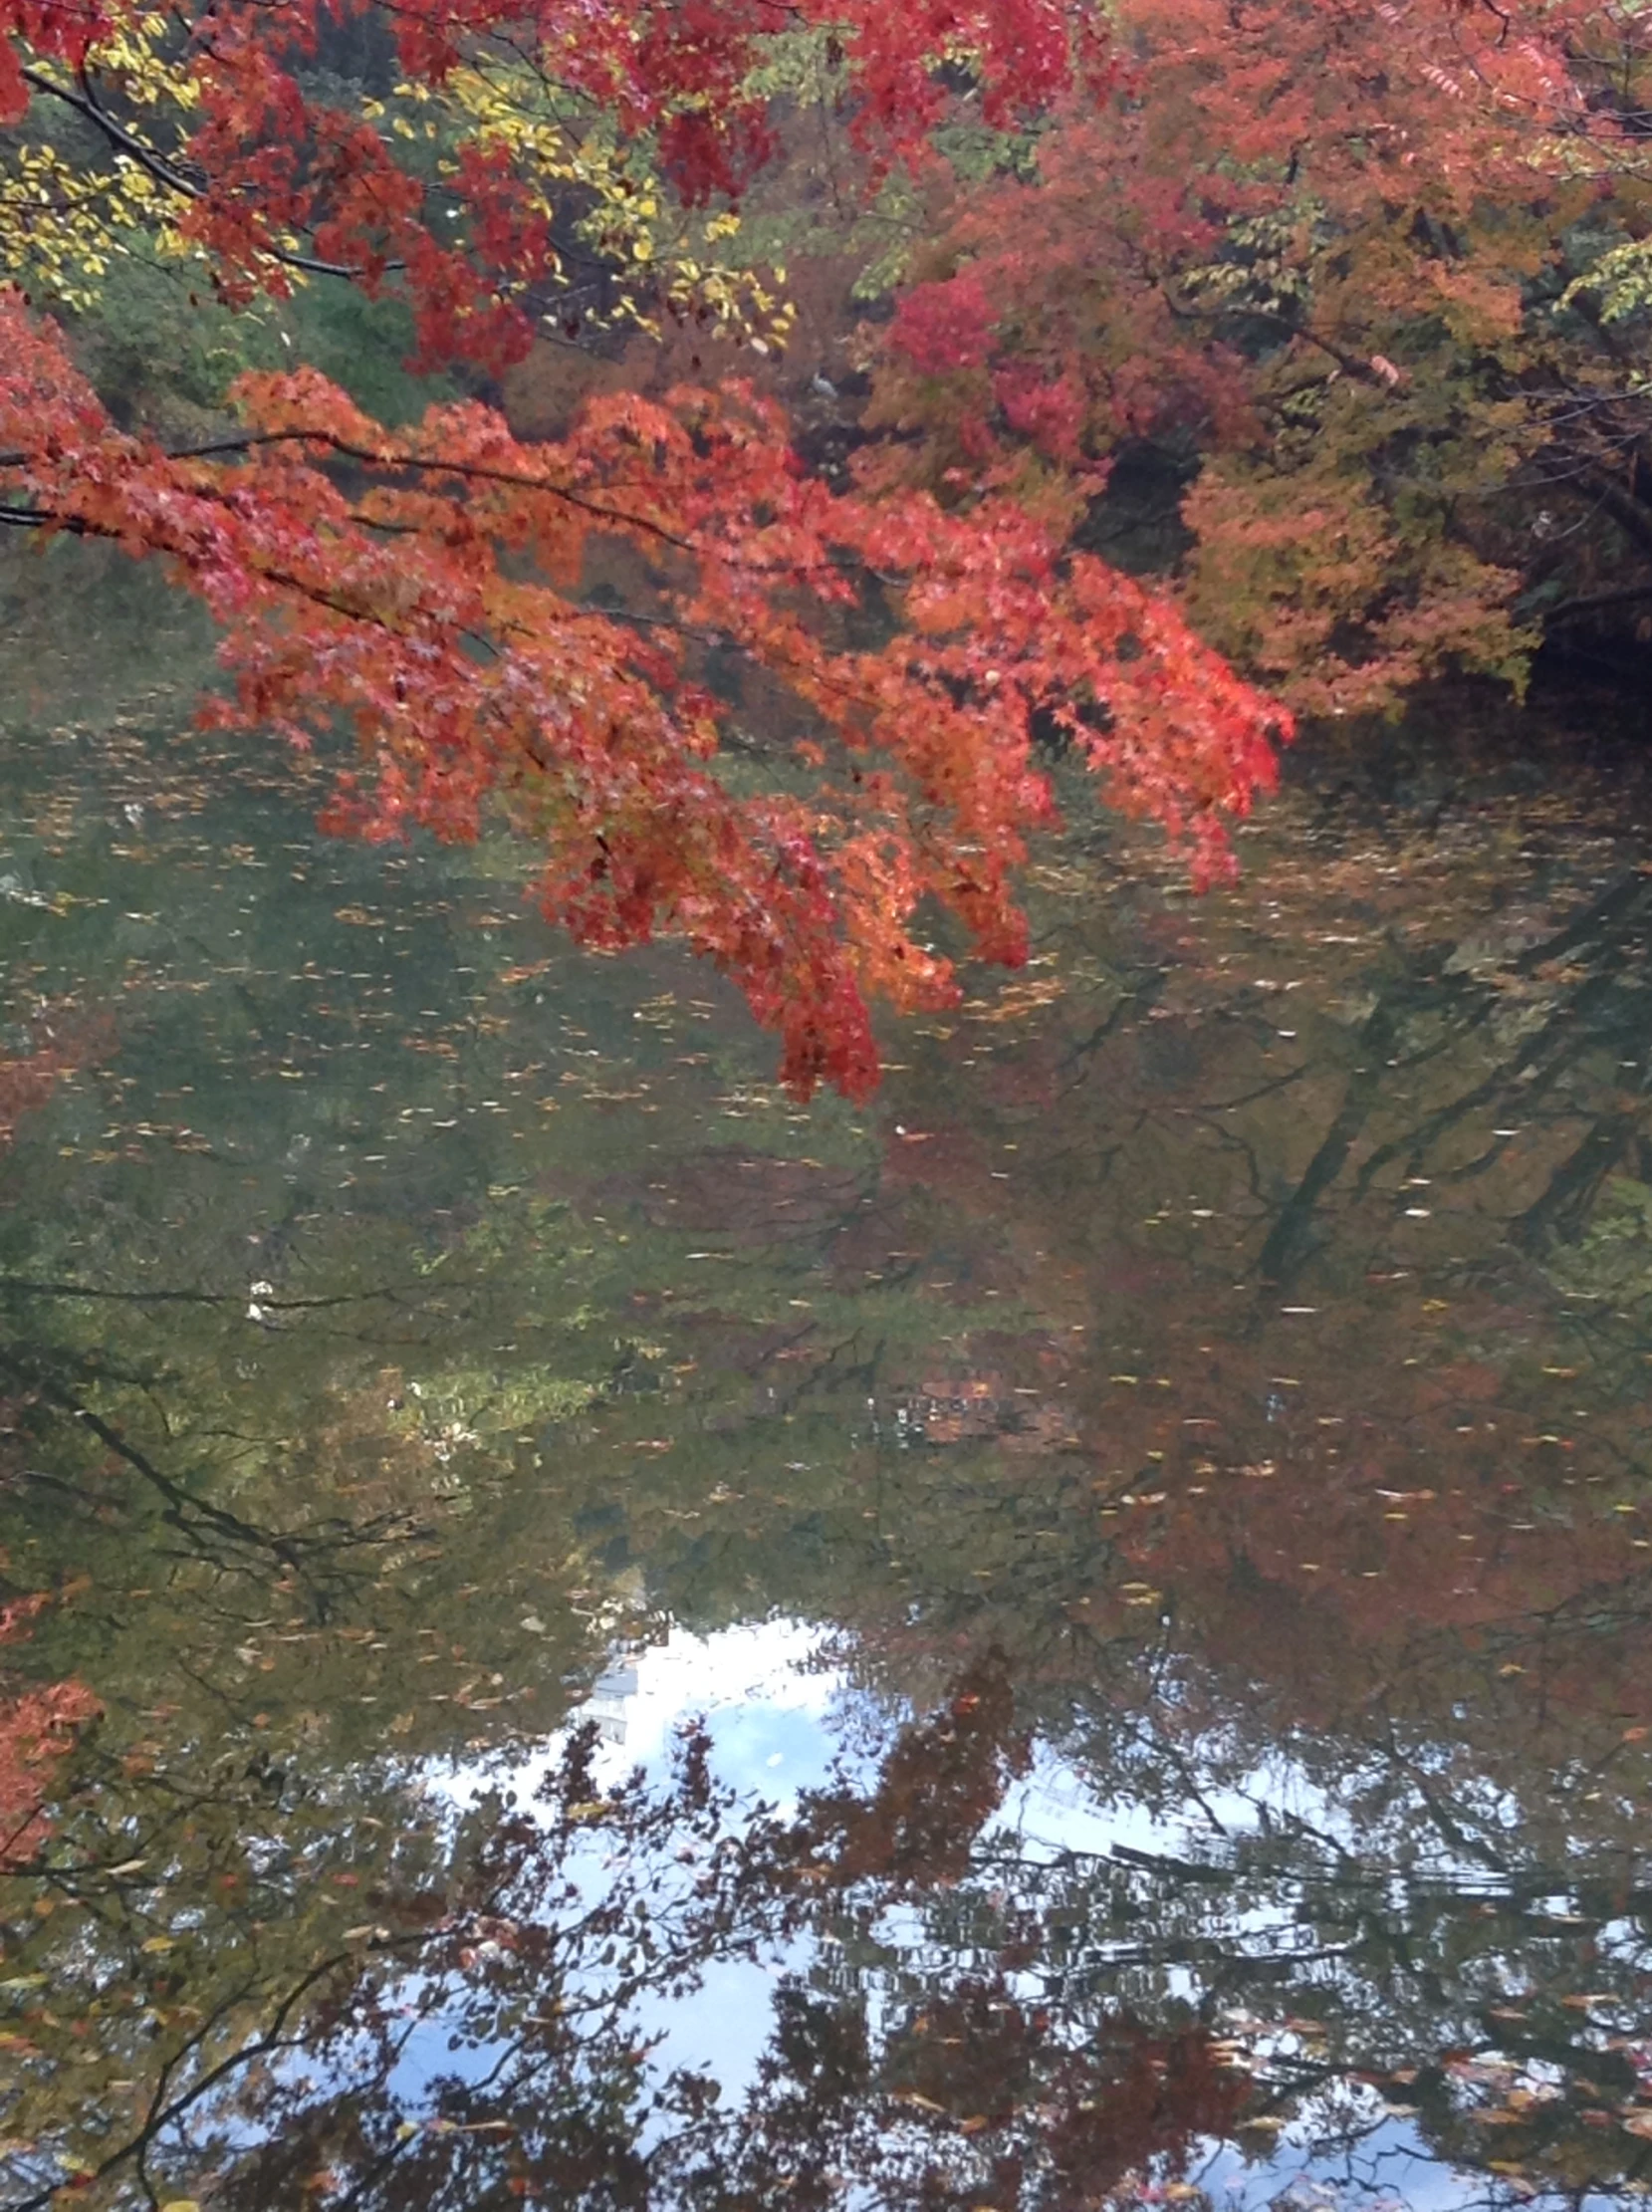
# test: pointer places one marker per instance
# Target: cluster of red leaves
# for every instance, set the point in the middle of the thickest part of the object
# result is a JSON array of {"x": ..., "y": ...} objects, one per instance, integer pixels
[
  {"x": 1338, "y": 120},
  {"x": 422, "y": 589},
  {"x": 37, "y": 1729},
  {"x": 938, "y": 326}
]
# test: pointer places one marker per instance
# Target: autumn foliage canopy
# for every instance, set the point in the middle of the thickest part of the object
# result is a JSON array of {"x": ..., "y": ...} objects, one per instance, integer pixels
[{"x": 1356, "y": 282}]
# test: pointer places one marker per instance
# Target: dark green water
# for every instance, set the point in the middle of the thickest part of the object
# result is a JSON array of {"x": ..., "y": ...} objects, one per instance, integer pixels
[{"x": 583, "y": 1635}]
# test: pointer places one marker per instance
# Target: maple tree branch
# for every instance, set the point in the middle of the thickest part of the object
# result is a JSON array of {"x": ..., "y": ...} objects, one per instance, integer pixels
[
  {"x": 251, "y": 441},
  {"x": 509, "y": 478},
  {"x": 43, "y": 518},
  {"x": 77, "y": 526}
]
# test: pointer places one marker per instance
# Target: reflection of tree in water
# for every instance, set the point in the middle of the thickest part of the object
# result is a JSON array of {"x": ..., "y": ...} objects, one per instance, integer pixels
[
  {"x": 540, "y": 2082},
  {"x": 1579, "y": 993},
  {"x": 1036, "y": 2030},
  {"x": 1003, "y": 1392}
]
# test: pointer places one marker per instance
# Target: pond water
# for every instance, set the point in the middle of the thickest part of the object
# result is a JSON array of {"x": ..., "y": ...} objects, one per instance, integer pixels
[{"x": 581, "y": 1634}]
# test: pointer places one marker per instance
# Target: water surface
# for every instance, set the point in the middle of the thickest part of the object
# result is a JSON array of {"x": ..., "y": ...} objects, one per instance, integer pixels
[{"x": 583, "y": 1635}]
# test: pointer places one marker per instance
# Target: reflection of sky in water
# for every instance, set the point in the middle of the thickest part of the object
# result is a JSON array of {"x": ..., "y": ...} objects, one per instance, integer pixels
[
  {"x": 766, "y": 1708},
  {"x": 1389, "y": 2167},
  {"x": 765, "y": 1705},
  {"x": 768, "y": 1704}
]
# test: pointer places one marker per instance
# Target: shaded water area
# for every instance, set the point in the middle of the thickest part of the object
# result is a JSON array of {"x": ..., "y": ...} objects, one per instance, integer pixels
[{"x": 580, "y": 1634}]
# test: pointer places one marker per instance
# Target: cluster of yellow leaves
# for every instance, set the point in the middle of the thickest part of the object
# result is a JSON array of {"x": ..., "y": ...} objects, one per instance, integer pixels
[
  {"x": 63, "y": 221},
  {"x": 565, "y": 149}
]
